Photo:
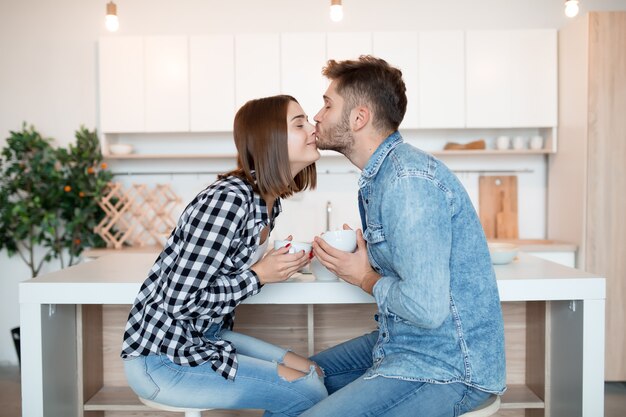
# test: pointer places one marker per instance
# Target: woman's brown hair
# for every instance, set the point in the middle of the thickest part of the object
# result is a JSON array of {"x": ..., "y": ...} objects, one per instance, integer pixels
[{"x": 260, "y": 132}]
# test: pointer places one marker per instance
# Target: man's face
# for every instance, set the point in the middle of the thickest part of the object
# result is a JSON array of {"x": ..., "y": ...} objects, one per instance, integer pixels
[{"x": 333, "y": 123}]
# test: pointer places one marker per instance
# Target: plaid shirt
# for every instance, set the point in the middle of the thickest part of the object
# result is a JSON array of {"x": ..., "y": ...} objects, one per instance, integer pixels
[{"x": 199, "y": 278}]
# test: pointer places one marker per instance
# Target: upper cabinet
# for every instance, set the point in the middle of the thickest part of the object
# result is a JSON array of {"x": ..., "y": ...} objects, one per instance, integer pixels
[
  {"x": 257, "y": 66},
  {"x": 301, "y": 59},
  {"x": 211, "y": 83},
  {"x": 401, "y": 50},
  {"x": 534, "y": 95},
  {"x": 348, "y": 45},
  {"x": 511, "y": 78},
  {"x": 144, "y": 84},
  {"x": 454, "y": 79},
  {"x": 441, "y": 74},
  {"x": 167, "y": 83},
  {"x": 121, "y": 77}
]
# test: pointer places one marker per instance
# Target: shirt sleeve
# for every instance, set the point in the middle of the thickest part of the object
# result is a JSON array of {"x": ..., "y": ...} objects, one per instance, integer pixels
[
  {"x": 417, "y": 225},
  {"x": 194, "y": 284}
]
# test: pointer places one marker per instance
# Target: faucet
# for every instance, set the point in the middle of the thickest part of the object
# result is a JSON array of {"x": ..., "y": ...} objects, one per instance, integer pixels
[{"x": 329, "y": 209}]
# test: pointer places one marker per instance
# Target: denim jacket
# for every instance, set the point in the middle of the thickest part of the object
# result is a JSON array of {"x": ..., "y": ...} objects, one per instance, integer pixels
[{"x": 439, "y": 318}]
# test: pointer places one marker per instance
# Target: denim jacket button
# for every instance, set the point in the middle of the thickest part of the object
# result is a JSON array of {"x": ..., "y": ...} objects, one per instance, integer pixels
[{"x": 376, "y": 317}]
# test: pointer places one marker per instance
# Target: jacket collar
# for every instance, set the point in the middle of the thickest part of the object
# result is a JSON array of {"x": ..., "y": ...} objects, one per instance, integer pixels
[{"x": 376, "y": 160}]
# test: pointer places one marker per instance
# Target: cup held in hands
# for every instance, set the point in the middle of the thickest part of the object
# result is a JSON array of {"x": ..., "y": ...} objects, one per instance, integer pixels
[
  {"x": 295, "y": 246},
  {"x": 344, "y": 240}
]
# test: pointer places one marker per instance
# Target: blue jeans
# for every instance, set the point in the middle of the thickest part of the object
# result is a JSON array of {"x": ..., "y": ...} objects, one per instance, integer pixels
[
  {"x": 353, "y": 393},
  {"x": 257, "y": 384}
]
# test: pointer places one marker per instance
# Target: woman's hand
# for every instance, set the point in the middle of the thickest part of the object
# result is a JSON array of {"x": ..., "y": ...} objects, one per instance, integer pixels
[{"x": 278, "y": 265}]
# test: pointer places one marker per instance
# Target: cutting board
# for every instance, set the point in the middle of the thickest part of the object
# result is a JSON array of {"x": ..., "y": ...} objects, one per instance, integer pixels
[{"x": 497, "y": 206}]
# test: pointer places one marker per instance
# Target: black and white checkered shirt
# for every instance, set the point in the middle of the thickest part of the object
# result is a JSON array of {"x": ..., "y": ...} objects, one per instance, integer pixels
[{"x": 200, "y": 277}]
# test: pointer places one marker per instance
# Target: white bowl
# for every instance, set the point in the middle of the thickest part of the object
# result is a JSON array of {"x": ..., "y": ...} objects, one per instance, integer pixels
[
  {"x": 344, "y": 240},
  {"x": 502, "y": 253},
  {"x": 120, "y": 148},
  {"x": 295, "y": 246}
]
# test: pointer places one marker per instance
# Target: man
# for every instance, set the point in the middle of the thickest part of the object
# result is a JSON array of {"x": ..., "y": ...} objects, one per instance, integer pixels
[{"x": 439, "y": 347}]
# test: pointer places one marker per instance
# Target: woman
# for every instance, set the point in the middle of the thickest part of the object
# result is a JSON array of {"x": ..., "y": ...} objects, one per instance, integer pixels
[{"x": 178, "y": 346}]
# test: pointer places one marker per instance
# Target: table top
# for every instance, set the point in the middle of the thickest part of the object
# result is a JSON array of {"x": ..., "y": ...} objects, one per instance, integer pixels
[
  {"x": 116, "y": 279},
  {"x": 525, "y": 245}
]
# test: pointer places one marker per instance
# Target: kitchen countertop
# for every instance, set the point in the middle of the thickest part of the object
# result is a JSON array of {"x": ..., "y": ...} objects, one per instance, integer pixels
[
  {"x": 115, "y": 279},
  {"x": 526, "y": 245},
  {"x": 540, "y": 245}
]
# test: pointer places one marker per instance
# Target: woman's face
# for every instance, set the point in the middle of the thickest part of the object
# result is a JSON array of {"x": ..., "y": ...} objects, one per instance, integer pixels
[{"x": 301, "y": 142}]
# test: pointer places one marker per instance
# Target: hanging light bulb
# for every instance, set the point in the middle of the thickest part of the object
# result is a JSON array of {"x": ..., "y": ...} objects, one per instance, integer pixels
[
  {"x": 571, "y": 8},
  {"x": 111, "y": 22},
  {"x": 336, "y": 10}
]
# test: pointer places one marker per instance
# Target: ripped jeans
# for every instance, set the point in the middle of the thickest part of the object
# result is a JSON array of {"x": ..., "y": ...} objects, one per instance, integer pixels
[{"x": 257, "y": 384}]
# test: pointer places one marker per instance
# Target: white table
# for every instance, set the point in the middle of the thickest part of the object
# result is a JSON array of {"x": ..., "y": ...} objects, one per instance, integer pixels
[{"x": 48, "y": 324}]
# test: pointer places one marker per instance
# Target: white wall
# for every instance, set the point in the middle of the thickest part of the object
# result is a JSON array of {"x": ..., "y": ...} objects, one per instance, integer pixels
[{"x": 48, "y": 78}]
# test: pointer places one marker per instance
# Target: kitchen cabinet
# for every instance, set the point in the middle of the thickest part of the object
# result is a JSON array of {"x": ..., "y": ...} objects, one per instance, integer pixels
[
  {"x": 586, "y": 181},
  {"x": 533, "y": 78},
  {"x": 348, "y": 45},
  {"x": 257, "y": 66},
  {"x": 441, "y": 74},
  {"x": 121, "y": 81},
  {"x": 455, "y": 80},
  {"x": 167, "y": 83},
  {"x": 511, "y": 78},
  {"x": 302, "y": 56},
  {"x": 211, "y": 83},
  {"x": 401, "y": 50},
  {"x": 143, "y": 86},
  {"x": 488, "y": 85}
]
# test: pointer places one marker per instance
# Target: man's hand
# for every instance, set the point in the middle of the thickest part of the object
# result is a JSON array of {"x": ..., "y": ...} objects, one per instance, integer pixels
[{"x": 353, "y": 267}]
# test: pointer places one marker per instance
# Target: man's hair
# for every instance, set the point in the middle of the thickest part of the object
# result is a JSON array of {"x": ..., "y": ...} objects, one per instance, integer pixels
[
  {"x": 260, "y": 132},
  {"x": 372, "y": 82}
]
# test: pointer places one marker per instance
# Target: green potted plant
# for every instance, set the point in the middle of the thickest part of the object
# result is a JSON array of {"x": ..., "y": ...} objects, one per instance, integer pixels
[
  {"x": 49, "y": 199},
  {"x": 86, "y": 177}
]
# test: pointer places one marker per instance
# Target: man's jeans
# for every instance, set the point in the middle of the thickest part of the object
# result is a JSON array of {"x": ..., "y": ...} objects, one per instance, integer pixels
[
  {"x": 352, "y": 393},
  {"x": 257, "y": 383}
]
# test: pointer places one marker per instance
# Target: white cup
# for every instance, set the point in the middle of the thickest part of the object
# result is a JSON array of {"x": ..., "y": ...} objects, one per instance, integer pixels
[
  {"x": 519, "y": 142},
  {"x": 344, "y": 240},
  {"x": 503, "y": 142},
  {"x": 295, "y": 246},
  {"x": 536, "y": 142}
]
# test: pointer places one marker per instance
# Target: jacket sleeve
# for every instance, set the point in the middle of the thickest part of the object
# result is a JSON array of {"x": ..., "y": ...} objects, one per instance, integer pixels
[
  {"x": 193, "y": 285},
  {"x": 416, "y": 221}
]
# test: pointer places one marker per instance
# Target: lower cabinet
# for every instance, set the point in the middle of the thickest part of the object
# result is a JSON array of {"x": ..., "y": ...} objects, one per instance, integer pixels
[{"x": 104, "y": 391}]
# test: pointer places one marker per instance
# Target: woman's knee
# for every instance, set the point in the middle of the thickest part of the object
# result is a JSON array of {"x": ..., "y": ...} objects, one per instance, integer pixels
[
  {"x": 289, "y": 374},
  {"x": 301, "y": 363},
  {"x": 309, "y": 385}
]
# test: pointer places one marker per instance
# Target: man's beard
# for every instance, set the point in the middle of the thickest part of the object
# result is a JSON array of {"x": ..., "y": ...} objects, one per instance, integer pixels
[{"x": 338, "y": 138}]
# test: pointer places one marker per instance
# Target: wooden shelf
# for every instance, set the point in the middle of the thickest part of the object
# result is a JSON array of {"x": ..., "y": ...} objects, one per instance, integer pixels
[
  {"x": 124, "y": 399},
  {"x": 171, "y": 156},
  {"x": 478, "y": 152},
  {"x": 115, "y": 399},
  {"x": 520, "y": 396},
  {"x": 493, "y": 152}
]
